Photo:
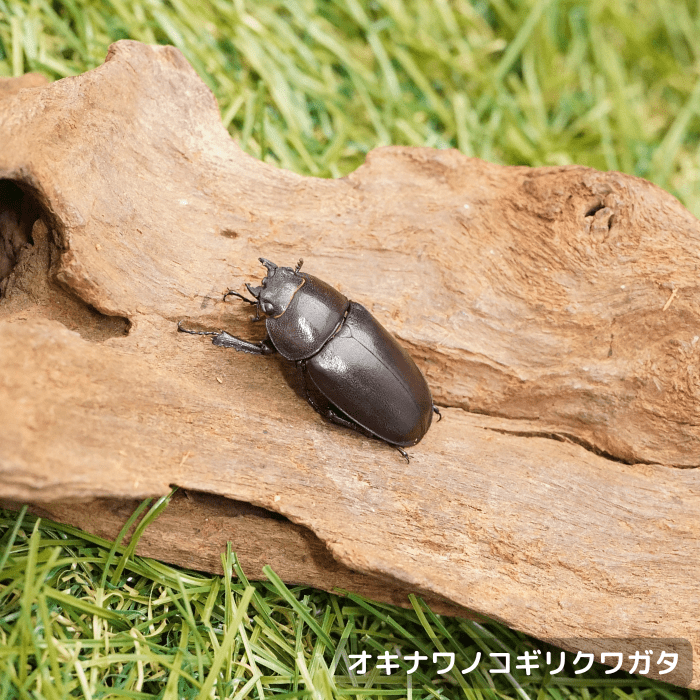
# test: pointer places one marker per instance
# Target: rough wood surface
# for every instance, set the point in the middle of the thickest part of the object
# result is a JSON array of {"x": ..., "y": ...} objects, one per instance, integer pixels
[
  {"x": 554, "y": 311},
  {"x": 194, "y": 529}
]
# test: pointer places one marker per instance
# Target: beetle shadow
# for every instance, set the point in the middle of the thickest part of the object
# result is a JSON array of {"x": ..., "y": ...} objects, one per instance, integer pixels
[
  {"x": 292, "y": 375},
  {"x": 294, "y": 378}
]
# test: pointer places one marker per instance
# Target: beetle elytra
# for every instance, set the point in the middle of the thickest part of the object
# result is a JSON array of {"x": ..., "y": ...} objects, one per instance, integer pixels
[{"x": 355, "y": 373}]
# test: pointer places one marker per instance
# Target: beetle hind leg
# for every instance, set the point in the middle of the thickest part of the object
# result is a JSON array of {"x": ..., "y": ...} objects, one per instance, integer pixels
[
  {"x": 330, "y": 412},
  {"x": 403, "y": 452},
  {"x": 325, "y": 408},
  {"x": 437, "y": 410}
]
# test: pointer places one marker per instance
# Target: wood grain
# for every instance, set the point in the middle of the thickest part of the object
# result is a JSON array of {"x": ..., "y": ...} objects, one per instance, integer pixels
[{"x": 554, "y": 311}]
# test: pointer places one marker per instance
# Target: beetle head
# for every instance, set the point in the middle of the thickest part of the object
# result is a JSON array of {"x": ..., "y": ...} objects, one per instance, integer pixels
[{"x": 277, "y": 289}]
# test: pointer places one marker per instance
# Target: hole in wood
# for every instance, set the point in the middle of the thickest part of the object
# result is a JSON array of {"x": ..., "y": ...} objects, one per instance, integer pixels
[
  {"x": 29, "y": 257},
  {"x": 18, "y": 212},
  {"x": 595, "y": 208}
]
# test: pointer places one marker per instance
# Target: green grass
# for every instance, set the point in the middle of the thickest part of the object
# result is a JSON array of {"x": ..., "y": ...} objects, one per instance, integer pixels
[
  {"x": 81, "y": 617},
  {"x": 312, "y": 86}
]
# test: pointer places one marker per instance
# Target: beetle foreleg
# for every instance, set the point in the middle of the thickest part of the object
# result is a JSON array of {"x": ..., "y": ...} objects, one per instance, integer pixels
[
  {"x": 226, "y": 340},
  {"x": 185, "y": 330}
]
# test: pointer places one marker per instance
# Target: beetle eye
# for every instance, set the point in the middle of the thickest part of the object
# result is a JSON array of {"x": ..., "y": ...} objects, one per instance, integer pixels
[{"x": 267, "y": 307}]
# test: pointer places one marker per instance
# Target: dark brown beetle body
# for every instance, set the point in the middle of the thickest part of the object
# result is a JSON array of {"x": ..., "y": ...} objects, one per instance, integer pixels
[{"x": 348, "y": 360}]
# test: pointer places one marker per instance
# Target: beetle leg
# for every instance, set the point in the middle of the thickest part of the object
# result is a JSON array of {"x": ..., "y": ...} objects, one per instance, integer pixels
[
  {"x": 437, "y": 410},
  {"x": 240, "y": 296},
  {"x": 248, "y": 301},
  {"x": 329, "y": 414},
  {"x": 326, "y": 411},
  {"x": 403, "y": 452},
  {"x": 185, "y": 330},
  {"x": 226, "y": 340},
  {"x": 333, "y": 417}
]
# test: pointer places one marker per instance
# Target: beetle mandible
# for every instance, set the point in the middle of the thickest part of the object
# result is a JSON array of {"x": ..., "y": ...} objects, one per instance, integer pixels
[{"x": 347, "y": 359}]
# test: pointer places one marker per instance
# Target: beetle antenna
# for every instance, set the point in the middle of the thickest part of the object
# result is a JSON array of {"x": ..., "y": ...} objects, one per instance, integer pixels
[
  {"x": 185, "y": 330},
  {"x": 299, "y": 264},
  {"x": 240, "y": 296}
]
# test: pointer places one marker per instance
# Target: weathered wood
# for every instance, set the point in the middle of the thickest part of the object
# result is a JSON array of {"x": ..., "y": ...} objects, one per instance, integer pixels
[
  {"x": 554, "y": 311},
  {"x": 195, "y": 528}
]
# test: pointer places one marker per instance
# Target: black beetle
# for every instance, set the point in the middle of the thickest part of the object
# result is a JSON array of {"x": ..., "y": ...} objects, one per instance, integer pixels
[{"x": 345, "y": 356}]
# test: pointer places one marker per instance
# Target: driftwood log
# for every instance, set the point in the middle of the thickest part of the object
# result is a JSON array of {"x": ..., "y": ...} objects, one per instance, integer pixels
[{"x": 554, "y": 311}]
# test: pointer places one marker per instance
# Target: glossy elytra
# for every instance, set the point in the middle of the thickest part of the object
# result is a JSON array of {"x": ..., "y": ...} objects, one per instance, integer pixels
[{"x": 354, "y": 371}]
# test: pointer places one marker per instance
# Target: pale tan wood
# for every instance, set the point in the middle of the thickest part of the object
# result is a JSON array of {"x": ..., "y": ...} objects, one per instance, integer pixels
[
  {"x": 195, "y": 528},
  {"x": 554, "y": 311}
]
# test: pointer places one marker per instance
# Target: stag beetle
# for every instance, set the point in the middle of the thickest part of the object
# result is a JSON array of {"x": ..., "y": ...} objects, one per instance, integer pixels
[{"x": 354, "y": 371}]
